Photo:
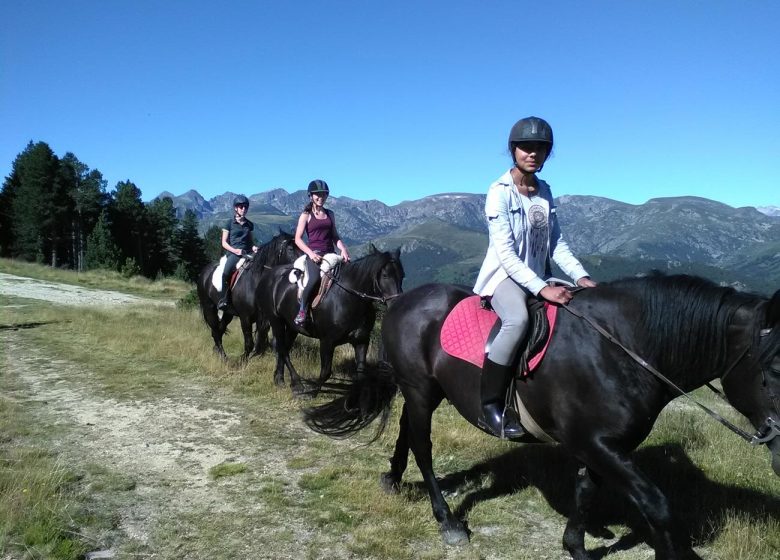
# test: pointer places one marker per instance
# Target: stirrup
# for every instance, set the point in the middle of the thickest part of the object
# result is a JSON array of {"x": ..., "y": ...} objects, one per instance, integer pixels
[{"x": 500, "y": 422}]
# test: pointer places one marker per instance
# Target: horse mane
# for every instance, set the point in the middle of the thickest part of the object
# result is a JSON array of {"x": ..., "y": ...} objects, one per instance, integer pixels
[
  {"x": 267, "y": 253},
  {"x": 365, "y": 269},
  {"x": 685, "y": 319}
]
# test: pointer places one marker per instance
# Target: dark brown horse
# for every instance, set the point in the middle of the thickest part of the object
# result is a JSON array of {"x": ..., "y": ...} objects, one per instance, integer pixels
[
  {"x": 280, "y": 249},
  {"x": 346, "y": 313},
  {"x": 589, "y": 394}
]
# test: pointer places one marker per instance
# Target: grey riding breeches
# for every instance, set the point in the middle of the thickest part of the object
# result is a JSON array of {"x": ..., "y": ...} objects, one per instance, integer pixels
[{"x": 509, "y": 302}]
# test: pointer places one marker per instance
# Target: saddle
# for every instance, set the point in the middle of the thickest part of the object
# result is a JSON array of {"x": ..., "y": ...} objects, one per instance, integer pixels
[
  {"x": 216, "y": 276},
  {"x": 298, "y": 275},
  {"x": 471, "y": 326}
]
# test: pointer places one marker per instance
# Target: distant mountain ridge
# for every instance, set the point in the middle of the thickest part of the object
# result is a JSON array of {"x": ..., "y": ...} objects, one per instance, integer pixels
[{"x": 444, "y": 236}]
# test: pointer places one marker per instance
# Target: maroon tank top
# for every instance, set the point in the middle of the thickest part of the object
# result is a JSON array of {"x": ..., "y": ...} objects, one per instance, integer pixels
[{"x": 320, "y": 234}]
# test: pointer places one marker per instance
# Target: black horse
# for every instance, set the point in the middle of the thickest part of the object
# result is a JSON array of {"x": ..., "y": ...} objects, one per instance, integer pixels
[
  {"x": 346, "y": 312},
  {"x": 589, "y": 394},
  {"x": 280, "y": 249}
]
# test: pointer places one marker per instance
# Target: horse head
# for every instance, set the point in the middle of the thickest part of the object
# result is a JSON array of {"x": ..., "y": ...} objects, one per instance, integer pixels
[
  {"x": 752, "y": 385},
  {"x": 281, "y": 249},
  {"x": 390, "y": 276}
]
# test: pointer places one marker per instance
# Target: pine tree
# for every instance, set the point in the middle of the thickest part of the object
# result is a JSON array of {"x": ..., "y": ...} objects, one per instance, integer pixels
[
  {"x": 128, "y": 222},
  {"x": 7, "y": 195},
  {"x": 87, "y": 191},
  {"x": 101, "y": 251},
  {"x": 212, "y": 243},
  {"x": 161, "y": 232},
  {"x": 191, "y": 251},
  {"x": 33, "y": 221}
]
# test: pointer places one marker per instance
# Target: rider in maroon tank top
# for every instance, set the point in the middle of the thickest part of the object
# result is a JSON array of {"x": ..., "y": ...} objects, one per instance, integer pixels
[{"x": 322, "y": 237}]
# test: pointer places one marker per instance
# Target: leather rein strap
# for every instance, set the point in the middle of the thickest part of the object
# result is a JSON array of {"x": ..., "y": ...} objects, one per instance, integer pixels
[{"x": 759, "y": 438}]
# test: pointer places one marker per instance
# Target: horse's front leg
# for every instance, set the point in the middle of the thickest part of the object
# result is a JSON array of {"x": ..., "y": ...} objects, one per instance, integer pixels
[
  {"x": 327, "y": 348},
  {"x": 261, "y": 336},
  {"x": 219, "y": 332},
  {"x": 420, "y": 407},
  {"x": 391, "y": 480},
  {"x": 296, "y": 383},
  {"x": 619, "y": 471},
  {"x": 585, "y": 490},
  {"x": 278, "y": 329},
  {"x": 249, "y": 343},
  {"x": 361, "y": 352}
]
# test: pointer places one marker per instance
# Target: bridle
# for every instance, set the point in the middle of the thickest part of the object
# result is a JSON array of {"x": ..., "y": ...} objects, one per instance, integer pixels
[
  {"x": 362, "y": 295},
  {"x": 768, "y": 431}
]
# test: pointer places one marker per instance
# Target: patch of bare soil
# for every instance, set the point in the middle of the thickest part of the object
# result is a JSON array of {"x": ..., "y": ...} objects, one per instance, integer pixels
[{"x": 65, "y": 294}]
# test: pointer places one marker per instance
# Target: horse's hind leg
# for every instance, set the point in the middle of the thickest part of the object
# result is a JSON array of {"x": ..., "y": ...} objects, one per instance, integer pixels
[
  {"x": 420, "y": 409},
  {"x": 585, "y": 490},
  {"x": 217, "y": 327},
  {"x": 391, "y": 480}
]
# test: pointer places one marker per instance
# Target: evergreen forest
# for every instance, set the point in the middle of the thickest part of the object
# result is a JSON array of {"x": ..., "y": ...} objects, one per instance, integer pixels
[{"x": 57, "y": 211}]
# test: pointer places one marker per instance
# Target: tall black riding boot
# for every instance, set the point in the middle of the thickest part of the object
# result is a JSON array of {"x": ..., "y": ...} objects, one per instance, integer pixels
[
  {"x": 493, "y": 385},
  {"x": 223, "y": 298}
]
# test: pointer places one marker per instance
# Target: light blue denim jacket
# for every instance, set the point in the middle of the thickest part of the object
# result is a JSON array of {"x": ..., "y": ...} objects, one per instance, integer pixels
[{"x": 508, "y": 229}]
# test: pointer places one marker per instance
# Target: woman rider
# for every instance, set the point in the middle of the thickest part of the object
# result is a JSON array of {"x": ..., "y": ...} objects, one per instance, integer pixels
[
  {"x": 236, "y": 240},
  {"x": 320, "y": 227},
  {"x": 523, "y": 235}
]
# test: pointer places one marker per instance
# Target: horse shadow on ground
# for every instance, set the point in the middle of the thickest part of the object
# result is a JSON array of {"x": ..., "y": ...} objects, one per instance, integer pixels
[{"x": 698, "y": 503}]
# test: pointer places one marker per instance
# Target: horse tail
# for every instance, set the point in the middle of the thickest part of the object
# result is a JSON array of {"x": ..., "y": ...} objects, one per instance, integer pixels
[{"x": 356, "y": 404}]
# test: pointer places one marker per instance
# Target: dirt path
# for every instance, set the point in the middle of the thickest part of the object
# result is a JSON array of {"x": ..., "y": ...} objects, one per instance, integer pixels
[
  {"x": 66, "y": 294},
  {"x": 147, "y": 461}
]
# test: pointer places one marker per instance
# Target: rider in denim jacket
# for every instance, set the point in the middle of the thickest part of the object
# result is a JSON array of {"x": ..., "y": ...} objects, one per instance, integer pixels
[{"x": 523, "y": 236}]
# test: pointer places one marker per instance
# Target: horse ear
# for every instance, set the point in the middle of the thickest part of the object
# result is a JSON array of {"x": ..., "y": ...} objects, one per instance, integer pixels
[
  {"x": 397, "y": 254},
  {"x": 372, "y": 249}
]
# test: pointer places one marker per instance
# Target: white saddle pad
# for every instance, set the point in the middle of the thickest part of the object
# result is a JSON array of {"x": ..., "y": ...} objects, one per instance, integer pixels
[
  {"x": 298, "y": 274},
  {"x": 216, "y": 277}
]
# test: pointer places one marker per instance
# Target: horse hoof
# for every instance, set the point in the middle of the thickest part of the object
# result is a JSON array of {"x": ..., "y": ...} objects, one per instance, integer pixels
[
  {"x": 279, "y": 380},
  {"x": 454, "y": 536},
  {"x": 300, "y": 392},
  {"x": 389, "y": 483}
]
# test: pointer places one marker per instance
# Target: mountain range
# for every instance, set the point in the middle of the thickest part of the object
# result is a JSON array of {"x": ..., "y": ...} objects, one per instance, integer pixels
[{"x": 443, "y": 237}]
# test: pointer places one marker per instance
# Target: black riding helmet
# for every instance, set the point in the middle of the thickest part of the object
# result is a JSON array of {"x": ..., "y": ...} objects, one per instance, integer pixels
[
  {"x": 240, "y": 199},
  {"x": 530, "y": 129},
  {"x": 318, "y": 186}
]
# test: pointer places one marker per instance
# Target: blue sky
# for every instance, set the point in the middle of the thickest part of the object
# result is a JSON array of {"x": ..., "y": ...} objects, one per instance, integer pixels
[{"x": 399, "y": 100}]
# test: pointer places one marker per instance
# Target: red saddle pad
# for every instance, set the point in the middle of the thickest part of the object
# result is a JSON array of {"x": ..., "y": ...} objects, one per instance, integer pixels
[{"x": 466, "y": 329}]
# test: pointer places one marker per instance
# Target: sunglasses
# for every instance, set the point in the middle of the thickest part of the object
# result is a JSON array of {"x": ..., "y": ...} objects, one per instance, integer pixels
[{"x": 242, "y": 205}]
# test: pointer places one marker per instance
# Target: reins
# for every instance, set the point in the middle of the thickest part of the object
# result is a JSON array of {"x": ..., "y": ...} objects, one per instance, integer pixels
[
  {"x": 362, "y": 295},
  {"x": 768, "y": 432}
]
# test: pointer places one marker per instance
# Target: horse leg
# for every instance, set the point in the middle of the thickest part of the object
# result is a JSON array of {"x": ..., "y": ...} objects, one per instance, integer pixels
[
  {"x": 277, "y": 327},
  {"x": 391, "y": 480},
  {"x": 420, "y": 410},
  {"x": 361, "y": 351},
  {"x": 246, "y": 329},
  {"x": 585, "y": 490},
  {"x": 284, "y": 342},
  {"x": 619, "y": 470},
  {"x": 261, "y": 337},
  {"x": 326, "y": 360}
]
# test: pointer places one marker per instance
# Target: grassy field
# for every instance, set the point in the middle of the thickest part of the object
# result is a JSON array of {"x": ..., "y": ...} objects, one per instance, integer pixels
[{"x": 280, "y": 491}]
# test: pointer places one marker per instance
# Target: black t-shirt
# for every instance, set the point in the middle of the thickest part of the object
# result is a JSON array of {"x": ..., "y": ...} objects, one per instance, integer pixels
[{"x": 240, "y": 235}]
